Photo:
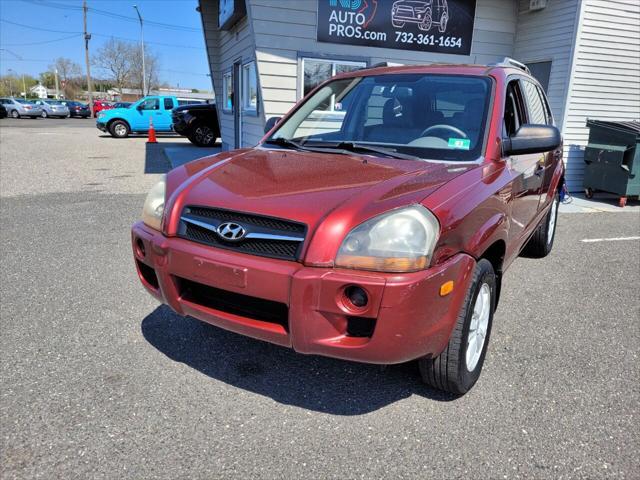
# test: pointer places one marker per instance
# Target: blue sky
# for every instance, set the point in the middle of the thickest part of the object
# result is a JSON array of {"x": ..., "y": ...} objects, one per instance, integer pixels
[{"x": 183, "y": 58}]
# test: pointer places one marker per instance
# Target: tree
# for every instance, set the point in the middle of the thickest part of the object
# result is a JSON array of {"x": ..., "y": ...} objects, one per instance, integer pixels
[
  {"x": 48, "y": 79},
  {"x": 68, "y": 70},
  {"x": 115, "y": 58},
  {"x": 151, "y": 67}
]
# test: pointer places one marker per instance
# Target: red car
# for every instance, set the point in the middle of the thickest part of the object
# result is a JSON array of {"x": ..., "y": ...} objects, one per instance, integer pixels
[
  {"x": 99, "y": 105},
  {"x": 373, "y": 223}
]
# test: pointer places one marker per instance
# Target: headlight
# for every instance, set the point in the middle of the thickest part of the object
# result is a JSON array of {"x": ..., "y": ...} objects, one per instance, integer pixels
[
  {"x": 183, "y": 111},
  {"x": 398, "y": 241},
  {"x": 100, "y": 115},
  {"x": 154, "y": 205}
]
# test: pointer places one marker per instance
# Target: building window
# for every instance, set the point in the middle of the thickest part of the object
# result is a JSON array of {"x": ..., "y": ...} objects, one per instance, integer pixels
[
  {"x": 249, "y": 88},
  {"x": 227, "y": 92},
  {"x": 541, "y": 71},
  {"x": 317, "y": 71}
]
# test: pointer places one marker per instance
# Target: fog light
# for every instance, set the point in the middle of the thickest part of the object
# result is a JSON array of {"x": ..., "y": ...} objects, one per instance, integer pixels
[
  {"x": 357, "y": 296},
  {"x": 140, "y": 248}
]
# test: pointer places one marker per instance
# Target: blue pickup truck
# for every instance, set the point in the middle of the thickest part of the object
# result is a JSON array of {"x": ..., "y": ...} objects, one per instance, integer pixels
[{"x": 120, "y": 122}]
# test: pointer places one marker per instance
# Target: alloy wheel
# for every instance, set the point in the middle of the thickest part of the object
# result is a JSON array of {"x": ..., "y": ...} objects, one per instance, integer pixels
[{"x": 478, "y": 326}]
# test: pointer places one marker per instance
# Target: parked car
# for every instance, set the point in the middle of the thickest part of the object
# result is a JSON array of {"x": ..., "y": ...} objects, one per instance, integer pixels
[
  {"x": 17, "y": 108},
  {"x": 122, "y": 104},
  {"x": 78, "y": 109},
  {"x": 199, "y": 123},
  {"x": 100, "y": 105},
  {"x": 120, "y": 122},
  {"x": 52, "y": 108},
  {"x": 373, "y": 223},
  {"x": 3, "y": 111},
  {"x": 425, "y": 13}
]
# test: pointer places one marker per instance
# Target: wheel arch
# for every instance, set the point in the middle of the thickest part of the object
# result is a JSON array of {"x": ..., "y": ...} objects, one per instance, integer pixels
[
  {"x": 495, "y": 254},
  {"x": 110, "y": 122}
]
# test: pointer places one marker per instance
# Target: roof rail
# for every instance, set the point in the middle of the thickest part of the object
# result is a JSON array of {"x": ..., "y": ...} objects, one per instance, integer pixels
[
  {"x": 510, "y": 62},
  {"x": 382, "y": 64}
]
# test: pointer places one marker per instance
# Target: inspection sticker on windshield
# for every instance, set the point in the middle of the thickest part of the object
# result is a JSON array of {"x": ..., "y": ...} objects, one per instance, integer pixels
[{"x": 460, "y": 143}]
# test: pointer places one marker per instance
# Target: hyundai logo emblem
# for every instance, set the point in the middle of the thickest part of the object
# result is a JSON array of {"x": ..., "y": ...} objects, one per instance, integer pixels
[{"x": 231, "y": 232}]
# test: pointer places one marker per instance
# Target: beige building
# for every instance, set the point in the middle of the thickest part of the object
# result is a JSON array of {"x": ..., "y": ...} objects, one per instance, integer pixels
[{"x": 264, "y": 55}]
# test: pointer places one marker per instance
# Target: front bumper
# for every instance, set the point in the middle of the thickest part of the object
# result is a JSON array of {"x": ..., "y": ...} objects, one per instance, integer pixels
[
  {"x": 101, "y": 126},
  {"x": 180, "y": 124},
  {"x": 409, "y": 316}
]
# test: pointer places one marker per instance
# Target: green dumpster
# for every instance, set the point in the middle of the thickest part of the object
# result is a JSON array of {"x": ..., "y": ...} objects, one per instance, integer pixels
[{"x": 612, "y": 159}]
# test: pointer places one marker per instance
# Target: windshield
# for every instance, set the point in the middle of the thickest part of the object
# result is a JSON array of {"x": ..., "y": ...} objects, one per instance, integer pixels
[{"x": 439, "y": 117}]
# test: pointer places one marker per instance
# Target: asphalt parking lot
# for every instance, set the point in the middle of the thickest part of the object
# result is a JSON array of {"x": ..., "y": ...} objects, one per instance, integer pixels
[{"x": 99, "y": 381}]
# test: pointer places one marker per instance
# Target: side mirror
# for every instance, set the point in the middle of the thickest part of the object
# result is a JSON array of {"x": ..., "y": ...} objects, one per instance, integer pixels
[
  {"x": 532, "y": 139},
  {"x": 271, "y": 123}
]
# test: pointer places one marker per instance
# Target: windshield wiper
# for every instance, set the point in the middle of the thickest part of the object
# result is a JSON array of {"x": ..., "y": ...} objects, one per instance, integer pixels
[
  {"x": 358, "y": 147},
  {"x": 283, "y": 142}
]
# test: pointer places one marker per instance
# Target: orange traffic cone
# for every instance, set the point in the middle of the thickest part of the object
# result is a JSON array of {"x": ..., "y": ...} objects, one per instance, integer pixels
[{"x": 152, "y": 132}]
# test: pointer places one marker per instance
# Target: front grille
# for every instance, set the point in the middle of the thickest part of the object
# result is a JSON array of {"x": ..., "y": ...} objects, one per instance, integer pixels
[
  {"x": 207, "y": 219},
  {"x": 258, "y": 220},
  {"x": 234, "y": 303}
]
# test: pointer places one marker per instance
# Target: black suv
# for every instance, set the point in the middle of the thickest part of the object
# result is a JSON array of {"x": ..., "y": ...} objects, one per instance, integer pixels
[{"x": 198, "y": 122}]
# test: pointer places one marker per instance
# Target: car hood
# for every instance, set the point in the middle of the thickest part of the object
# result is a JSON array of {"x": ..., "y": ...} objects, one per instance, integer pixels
[
  {"x": 114, "y": 112},
  {"x": 309, "y": 186}
]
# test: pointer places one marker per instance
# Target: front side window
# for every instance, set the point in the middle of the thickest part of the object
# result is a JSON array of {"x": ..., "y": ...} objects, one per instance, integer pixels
[
  {"x": 440, "y": 117},
  {"x": 249, "y": 87},
  {"x": 150, "y": 104},
  {"x": 227, "y": 92}
]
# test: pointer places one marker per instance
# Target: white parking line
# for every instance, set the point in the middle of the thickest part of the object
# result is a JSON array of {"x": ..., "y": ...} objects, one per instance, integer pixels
[{"x": 613, "y": 239}]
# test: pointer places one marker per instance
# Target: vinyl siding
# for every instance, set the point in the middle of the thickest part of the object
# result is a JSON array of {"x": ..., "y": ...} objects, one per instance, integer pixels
[
  {"x": 548, "y": 35},
  {"x": 605, "y": 82},
  {"x": 285, "y": 30},
  {"x": 224, "y": 47}
]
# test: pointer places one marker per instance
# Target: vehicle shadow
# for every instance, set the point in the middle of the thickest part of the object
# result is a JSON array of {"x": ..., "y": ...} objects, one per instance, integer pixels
[{"x": 311, "y": 382}]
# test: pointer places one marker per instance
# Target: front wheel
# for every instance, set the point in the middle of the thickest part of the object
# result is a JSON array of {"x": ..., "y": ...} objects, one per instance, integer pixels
[
  {"x": 15, "y": 114},
  {"x": 458, "y": 367},
  {"x": 44, "y": 114},
  {"x": 119, "y": 129},
  {"x": 426, "y": 23},
  {"x": 541, "y": 242},
  {"x": 203, "y": 136}
]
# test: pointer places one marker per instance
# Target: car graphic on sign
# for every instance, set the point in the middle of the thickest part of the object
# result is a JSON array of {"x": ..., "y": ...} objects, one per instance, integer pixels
[{"x": 426, "y": 13}]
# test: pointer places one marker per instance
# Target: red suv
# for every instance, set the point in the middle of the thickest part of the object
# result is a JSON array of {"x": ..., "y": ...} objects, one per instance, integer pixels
[
  {"x": 99, "y": 105},
  {"x": 373, "y": 223}
]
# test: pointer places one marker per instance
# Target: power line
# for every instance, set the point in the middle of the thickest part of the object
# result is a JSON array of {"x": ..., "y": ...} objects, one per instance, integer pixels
[
  {"x": 173, "y": 45},
  {"x": 75, "y": 35},
  {"x": 105, "y": 13}
]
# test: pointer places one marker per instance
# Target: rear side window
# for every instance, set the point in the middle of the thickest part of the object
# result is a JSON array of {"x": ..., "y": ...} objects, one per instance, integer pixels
[
  {"x": 168, "y": 103},
  {"x": 536, "y": 109}
]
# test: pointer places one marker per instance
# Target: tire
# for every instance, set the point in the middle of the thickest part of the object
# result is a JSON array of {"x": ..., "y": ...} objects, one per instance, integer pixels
[
  {"x": 458, "y": 367},
  {"x": 15, "y": 114},
  {"x": 426, "y": 23},
  {"x": 397, "y": 23},
  {"x": 203, "y": 136},
  {"x": 119, "y": 129},
  {"x": 588, "y": 192},
  {"x": 44, "y": 114},
  {"x": 442, "y": 26},
  {"x": 541, "y": 242}
]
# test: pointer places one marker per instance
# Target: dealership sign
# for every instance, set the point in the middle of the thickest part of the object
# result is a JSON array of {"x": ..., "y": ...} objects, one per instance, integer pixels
[{"x": 441, "y": 26}]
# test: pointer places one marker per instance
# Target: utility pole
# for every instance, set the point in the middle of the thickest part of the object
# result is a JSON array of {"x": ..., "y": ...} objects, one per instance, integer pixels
[
  {"x": 144, "y": 73},
  {"x": 57, "y": 87},
  {"x": 87, "y": 37},
  {"x": 24, "y": 88}
]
